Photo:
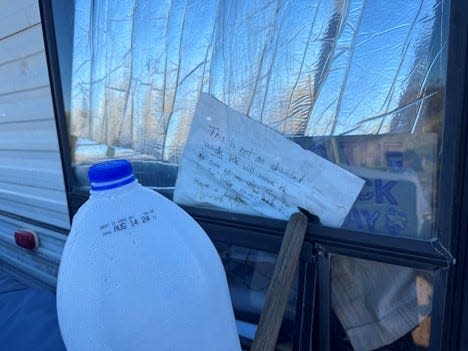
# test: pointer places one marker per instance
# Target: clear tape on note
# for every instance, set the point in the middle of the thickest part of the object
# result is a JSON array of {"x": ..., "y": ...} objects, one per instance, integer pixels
[{"x": 234, "y": 163}]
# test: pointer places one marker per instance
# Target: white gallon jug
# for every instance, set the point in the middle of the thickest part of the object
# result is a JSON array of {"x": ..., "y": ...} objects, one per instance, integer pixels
[{"x": 138, "y": 273}]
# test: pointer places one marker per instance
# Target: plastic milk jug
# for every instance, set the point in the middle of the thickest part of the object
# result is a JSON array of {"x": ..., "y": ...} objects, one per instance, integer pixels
[{"x": 138, "y": 273}]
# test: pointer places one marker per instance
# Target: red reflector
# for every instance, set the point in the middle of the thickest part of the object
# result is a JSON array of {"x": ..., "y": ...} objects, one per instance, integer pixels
[{"x": 27, "y": 239}]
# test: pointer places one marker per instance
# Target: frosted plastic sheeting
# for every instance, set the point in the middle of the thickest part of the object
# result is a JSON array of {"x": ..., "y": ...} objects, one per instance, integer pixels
[{"x": 304, "y": 68}]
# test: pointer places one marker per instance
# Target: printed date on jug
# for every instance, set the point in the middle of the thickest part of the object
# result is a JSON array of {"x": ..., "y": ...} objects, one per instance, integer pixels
[{"x": 129, "y": 222}]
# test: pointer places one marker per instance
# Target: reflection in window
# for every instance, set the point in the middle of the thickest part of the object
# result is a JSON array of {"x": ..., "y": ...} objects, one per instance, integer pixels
[
  {"x": 249, "y": 273},
  {"x": 400, "y": 171},
  {"x": 359, "y": 82}
]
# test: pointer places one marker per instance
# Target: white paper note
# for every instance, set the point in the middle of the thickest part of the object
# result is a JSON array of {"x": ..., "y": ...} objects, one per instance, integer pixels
[{"x": 234, "y": 163}]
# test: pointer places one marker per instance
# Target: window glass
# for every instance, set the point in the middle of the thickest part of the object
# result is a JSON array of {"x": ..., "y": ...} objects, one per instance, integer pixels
[
  {"x": 361, "y": 83},
  {"x": 249, "y": 273},
  {"x": 400, "y": 170},
  {"x": 378, "y": 306}
]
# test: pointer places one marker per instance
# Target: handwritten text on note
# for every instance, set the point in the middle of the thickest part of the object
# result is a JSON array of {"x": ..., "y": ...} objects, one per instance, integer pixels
[{"x": 234, "y": 163}]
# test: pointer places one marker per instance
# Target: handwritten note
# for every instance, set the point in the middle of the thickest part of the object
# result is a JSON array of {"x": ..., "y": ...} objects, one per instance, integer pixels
[{"x": 234, "y": 163}]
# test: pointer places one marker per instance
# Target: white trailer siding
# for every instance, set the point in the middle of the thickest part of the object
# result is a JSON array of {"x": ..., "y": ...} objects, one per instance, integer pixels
[
  {"x": 31, "y": 177},
  {"x": 38, "y": 267}
]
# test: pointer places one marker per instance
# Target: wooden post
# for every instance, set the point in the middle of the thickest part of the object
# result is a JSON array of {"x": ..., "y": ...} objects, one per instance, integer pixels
[{"x": 278, "y": 291}]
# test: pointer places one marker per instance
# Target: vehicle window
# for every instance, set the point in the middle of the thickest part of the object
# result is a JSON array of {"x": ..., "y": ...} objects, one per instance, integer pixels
[
  {"x": 359, "y": 83},
  {"x": 249, "y": 274}
]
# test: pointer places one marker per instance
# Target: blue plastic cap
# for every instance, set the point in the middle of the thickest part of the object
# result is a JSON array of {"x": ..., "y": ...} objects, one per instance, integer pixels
[{"x": 109, "y": 171}]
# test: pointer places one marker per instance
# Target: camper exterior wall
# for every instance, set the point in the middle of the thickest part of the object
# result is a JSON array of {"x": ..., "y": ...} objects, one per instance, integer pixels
[{"x": 32, "y": 192}]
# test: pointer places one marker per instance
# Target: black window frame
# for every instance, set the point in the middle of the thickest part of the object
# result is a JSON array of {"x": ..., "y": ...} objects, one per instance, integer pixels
[{"x": 445, "y": 255}]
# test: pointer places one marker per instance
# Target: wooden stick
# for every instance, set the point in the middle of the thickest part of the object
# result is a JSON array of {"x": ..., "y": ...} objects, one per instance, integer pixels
[{"x": 278, "y": 291}]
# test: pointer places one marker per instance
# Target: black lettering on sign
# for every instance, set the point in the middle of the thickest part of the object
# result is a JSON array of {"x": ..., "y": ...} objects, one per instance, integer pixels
[
  {"x": 234, "y": 159},
  {"x": 215, "y": 133},
  {"x": 260, "y": 160},
  {"x": 266, "y": 179},
  {"x": 245, "y": 152}
]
